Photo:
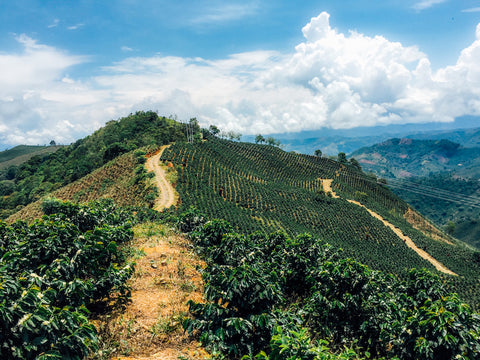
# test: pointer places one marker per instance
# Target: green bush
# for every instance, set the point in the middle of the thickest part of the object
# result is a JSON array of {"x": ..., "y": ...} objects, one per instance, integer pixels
[{"x": 52, "y": 271}]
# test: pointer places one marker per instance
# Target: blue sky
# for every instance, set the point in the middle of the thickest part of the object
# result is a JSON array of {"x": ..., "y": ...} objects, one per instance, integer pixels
[{"x": 250, "y": 66}]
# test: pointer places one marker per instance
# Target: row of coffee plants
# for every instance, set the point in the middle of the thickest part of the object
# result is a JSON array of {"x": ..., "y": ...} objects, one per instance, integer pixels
[
  {"x": 54, "y": 272},
  {"x": 262, "y": 188},
  {"x": 276, "y": 297}
]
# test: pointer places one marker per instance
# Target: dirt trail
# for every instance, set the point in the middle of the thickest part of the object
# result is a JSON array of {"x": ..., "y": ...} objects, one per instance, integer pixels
[
  {"x": 165, "y": 278},
  {"x": 327, "y": 187},
  {"x": 166, "y": 197}
]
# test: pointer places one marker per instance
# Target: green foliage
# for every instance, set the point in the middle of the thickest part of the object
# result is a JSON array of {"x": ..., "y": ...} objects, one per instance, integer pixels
[
  {"x": 45, "y": 172},
  {"x": 265, "y": 295},
  {"x": 259, "y": 139},
  {"x": 288, "y": 344},
  {"x": 190, "y": 220},
  {"x": 52, "y": 271}
]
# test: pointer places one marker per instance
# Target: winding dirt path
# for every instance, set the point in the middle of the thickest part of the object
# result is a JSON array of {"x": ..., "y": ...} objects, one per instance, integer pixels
[
  {"x": 166, "y": 196},
  {"x": 327, "y": 187}
]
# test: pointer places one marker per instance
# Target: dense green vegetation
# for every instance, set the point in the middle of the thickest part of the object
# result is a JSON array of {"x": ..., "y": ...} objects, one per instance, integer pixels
[
  {"x": 283, "y": 298},
  {"x": 54, "y": 272},
  {"x": 124, "y": 180},
  {"x": 28, "y": 182},
  {"x": 262, "y": 188}
]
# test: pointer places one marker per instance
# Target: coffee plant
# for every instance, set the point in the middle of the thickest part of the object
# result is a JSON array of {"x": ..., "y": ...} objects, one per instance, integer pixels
[
  {"x": 53, "y": 272},
  {"x": 280, "y": 297}
]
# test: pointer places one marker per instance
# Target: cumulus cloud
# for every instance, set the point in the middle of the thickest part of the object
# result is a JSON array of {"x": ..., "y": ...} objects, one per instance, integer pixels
[
  {"x": 36, "y": 98},
  {"x": 331, "y": 79}
]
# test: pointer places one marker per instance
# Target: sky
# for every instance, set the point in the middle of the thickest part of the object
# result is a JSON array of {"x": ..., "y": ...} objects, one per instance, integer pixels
[{"x": 255, "y": 67}]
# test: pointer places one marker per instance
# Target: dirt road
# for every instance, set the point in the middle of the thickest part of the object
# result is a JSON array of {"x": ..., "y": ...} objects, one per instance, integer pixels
[
  {"x": 327, "y": 187},
  {"x": 166, "y": 196}
]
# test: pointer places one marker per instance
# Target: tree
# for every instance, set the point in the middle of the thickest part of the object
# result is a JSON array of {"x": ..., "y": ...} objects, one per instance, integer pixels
[
  {"x": 318, "y": 153},
  {"x": 259, "y": 139},
  {"x": 53, "y": 143},
  {"x": 355, "y": 164},
  {"x": 214, "y": 130},
  {"x": 450, "y": 227},
  {"x": 231, "y": 135},
  {"x": 342, "y": 158}
]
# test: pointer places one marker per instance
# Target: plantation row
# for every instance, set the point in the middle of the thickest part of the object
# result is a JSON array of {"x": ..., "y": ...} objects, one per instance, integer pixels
[
  {"x": 262, "y": 188},
  {"x": 54, "y": 272},
  {"x": 275, "y": 297}
]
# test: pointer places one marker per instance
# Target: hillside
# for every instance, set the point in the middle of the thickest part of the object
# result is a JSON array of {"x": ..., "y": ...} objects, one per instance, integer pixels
[
  {"x": 263, "y": 278},
  {"x": 450, "y": 201},
  {"x": 22, "y": 153},
  {"x": 28, "y": 182},
  {"x": 410, "y": 157},
  {"x": 262, "y": 188},
  {"x": 123, "y": 179},
  {"x": 439, "y": 178},
  {"x": 464, "y": 137}
]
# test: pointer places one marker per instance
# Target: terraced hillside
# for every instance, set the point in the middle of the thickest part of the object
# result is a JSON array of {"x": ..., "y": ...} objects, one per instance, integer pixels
[{"x": 262, "y": 188}]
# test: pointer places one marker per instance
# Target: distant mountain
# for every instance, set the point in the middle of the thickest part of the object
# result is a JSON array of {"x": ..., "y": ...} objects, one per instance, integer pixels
[
  {"x": 22, "y": 153},
  {"x": 465, "y": 137},
  {"x": 406, "y": 157},
  {"x": 464, "y": 130}
]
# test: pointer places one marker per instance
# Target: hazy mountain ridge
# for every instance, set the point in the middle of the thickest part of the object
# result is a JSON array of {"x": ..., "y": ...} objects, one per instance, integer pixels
[
  {"x": 407, "y": 157},
  {"x": 463, "y": 130}
]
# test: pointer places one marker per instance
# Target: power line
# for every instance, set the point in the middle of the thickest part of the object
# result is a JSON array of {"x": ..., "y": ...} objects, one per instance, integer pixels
[{"x": 424, "y": 190}]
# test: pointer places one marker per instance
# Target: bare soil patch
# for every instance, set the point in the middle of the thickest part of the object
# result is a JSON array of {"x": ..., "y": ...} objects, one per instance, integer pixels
[{"x": 166, "y": 277}]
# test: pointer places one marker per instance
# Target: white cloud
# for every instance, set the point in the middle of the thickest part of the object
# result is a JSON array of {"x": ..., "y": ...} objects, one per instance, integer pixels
[
  {"x": 331, "y": 80},
  {"x": 471, "y": 10},
  {"x": 54, "y": 23},
  {"x": 126, "y": 48},
  {"x": 425, "y": 4},
  {"x": 224, "y": 12},
  {"x": 75, "y": 27}
]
